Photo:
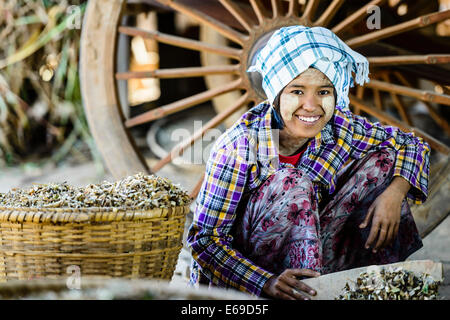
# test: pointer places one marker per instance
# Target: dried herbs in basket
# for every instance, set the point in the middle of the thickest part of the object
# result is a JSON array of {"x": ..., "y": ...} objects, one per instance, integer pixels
[
  {"x": 398, "y": 284},
  {"x": 139, "y": 191}
]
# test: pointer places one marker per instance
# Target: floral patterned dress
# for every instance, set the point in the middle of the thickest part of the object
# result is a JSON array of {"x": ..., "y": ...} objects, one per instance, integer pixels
[{"x": 284, "y": 226}]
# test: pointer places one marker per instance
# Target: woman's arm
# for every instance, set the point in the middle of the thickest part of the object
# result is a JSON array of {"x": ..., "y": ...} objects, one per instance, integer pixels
[
  {"x": 413, "y": 153},
  {"x": 209, "y": 235},
  {"x": 410, "y": 177}
]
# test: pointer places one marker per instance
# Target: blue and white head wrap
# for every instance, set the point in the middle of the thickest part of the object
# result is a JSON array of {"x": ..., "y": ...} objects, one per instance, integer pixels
[{"x": 292, "y": 50}]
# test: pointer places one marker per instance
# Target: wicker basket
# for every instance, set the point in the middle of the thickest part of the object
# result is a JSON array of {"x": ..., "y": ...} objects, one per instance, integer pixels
[{"x": 107, "y": 242}]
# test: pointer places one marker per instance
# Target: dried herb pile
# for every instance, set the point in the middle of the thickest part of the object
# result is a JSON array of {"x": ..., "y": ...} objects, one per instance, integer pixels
[
  {"x": 398, "y": 284},
  {"x": 139, "y": 192}
]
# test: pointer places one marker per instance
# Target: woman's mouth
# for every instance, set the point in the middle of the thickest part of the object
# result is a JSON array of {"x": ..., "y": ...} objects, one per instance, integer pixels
[{"x": 308, "y": 120}]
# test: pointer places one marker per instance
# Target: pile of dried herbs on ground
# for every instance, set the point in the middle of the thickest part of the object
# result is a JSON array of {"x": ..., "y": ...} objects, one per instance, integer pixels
[
  {"x": 138, "y": 192},
  {"x": 398, "y": 284}
]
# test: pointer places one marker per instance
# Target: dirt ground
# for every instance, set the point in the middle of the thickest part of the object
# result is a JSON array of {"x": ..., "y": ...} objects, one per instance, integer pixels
[{"x": 436, "y": 245}]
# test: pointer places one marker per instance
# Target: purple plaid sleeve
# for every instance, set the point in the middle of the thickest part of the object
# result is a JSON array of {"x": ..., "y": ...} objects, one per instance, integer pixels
[
  {"x": 413, "y": 153},
  {"x": 209, "y": 235}
]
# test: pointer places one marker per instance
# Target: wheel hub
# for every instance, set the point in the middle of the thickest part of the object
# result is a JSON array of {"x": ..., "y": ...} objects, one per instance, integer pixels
[{"x": 258, "y": 38}]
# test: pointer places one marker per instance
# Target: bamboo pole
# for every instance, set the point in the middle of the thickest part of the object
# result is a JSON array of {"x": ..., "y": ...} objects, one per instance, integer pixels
[
  {"x": 214, "y": 122},
  {"x": 418, "y": 22},
  {"x": 355, "y": 17},
  {"x": 181, "y": 42},
  {"x": 182, "y": 104},
  {"x": 410, "y": 59},
  {"x": 329, "y": 13},
  {"x": 237, "y": 13},
  {"x": 178, "y": 72}
]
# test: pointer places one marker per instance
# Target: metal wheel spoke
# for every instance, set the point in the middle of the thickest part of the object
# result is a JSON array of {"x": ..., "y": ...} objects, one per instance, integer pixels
[
  {"x": 355, "y": 17},
  {"x": 178, "y": 72},
  {"x": 310, "y": 9},
  {"x": 214, "y": 122},
  {"x": 240, "y": 15},
  {"x": 201, "y": 17},
  {"x": 410, "y": 59},
  {"x": 329, "y": 13},
  {"x": 260, "y": 11},
  {"x": 423, "y": 95},
  {"x": 418, "y": 22},
  {"x": 384, "y": 117},
  {"x": 182, "y": 104},
  {"x": 181, "y": 42}
]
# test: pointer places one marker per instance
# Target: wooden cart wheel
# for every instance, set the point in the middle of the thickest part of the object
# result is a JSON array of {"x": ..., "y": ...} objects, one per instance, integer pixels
[{"x": 397, "y": 66}]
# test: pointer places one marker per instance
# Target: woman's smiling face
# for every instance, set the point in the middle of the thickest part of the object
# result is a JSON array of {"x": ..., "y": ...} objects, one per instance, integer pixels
[{"x": 307, "y": 104}]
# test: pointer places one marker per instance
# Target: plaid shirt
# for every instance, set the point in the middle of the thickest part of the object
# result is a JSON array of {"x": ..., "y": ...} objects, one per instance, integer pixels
[{"x": 246, "y": 155}]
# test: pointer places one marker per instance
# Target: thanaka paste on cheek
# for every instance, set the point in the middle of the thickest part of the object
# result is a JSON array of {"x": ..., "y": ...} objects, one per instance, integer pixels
[
  {"x": 288, "y": 105},
  {"x": 328, "y": 106}
]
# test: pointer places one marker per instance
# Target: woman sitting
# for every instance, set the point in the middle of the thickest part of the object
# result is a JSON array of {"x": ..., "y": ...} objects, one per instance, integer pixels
[{"x": 299, "y": 186}]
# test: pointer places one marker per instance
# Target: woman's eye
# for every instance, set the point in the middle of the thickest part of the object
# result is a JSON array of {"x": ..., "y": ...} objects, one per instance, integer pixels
[
  {"x": 324, "y": 92},
  {"x": 297, "y": 92}
]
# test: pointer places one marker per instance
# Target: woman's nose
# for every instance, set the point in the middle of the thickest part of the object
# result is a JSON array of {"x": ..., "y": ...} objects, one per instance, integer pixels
[{"x": 310, "y": 103}]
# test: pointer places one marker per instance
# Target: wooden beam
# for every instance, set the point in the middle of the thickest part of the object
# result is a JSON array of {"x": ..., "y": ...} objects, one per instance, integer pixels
[
  {"x": 329, "y": 13},
  {"x": 418, "y": 22},
  {"x": 238, "y": 14},
  {"x": 310, "y": 9},
  {"x": 355, "y": 17},
  {"x": 260, "y": 11},
  {"x": 423, "y": 95},
  {"x": 214, "y": 122},
  {"x": 178, "y": 72},
  {"x": 194, "y": 192},
  {"x": 182, "y": 104},
  {"x": 410, "y": 59},
  {"x": 181, "y": 42},
  {"x": 208, "y": 21}
]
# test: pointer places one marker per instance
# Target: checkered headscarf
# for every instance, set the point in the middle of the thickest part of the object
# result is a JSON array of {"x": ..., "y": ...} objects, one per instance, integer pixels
[{"x": 292, "y": 50}]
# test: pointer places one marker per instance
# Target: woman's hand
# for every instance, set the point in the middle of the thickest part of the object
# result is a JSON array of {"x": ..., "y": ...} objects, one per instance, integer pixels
[
  {"x": 286, "y": 286},
  {"x": 385, "y": 210}
]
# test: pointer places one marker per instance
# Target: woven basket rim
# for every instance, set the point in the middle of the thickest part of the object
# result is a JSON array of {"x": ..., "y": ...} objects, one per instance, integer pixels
[{"x": 91, "y": 214}]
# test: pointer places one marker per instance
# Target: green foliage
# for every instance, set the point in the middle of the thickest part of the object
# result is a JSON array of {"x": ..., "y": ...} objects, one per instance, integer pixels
[{"x": 41, "y": 114}]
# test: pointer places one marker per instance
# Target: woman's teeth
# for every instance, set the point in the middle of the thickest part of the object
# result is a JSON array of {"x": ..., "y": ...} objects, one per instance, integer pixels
[{"x": 309, "y": 119}]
